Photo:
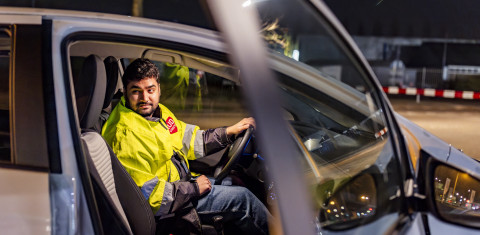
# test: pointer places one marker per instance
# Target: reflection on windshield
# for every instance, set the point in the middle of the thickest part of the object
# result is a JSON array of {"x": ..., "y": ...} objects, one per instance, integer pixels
[
  {"x": 330, "y": 130},
  {"x": 334, "y": 114},
  {"x": 291, "y": 30},
  {"x": 356, "y": 199}
]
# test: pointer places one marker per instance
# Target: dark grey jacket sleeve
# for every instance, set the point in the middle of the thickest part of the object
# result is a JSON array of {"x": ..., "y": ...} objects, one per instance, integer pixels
[
  {"x": 215, "y": 140},
  {"x": 184, "y": 192}
]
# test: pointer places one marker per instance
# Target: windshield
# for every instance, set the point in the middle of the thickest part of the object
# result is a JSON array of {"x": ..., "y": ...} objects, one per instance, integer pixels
[{"x": 335, "y": 116}]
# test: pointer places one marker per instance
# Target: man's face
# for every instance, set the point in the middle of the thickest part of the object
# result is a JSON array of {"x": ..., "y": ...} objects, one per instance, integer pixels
[{"x": 143, "y": 96}]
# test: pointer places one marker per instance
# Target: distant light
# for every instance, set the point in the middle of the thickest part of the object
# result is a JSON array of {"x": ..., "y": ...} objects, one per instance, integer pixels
[
  {"x": 332, "y": 203},
  {"x": 247, "y": 3},
  {"x": 295, "y": 55},
  {"x": 328, "y": 211},
  {"x": 334, "y": 210},
  {"x": 342, "y": 207}
]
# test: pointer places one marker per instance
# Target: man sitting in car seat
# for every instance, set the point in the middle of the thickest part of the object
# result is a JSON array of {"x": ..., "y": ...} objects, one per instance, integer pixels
[{"x": 154, "y": 147}]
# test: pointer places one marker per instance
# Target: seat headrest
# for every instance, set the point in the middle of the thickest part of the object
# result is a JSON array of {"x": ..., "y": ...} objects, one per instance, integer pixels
[
  {"x": 90, "y": 90},
  {"x": 112, "y": 69}
]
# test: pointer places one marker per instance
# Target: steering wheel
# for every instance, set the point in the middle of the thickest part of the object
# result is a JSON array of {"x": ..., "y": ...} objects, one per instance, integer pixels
[{"x": 233, "y": 156}]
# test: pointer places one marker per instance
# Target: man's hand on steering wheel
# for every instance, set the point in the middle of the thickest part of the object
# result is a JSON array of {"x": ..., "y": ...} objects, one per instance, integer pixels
[
  {"x": 241, "y": 126},
  {"x": 244, "y": 130}
]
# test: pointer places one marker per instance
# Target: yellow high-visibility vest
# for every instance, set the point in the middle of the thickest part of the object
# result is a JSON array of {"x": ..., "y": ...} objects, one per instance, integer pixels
[{"x": 145, "y": 149}]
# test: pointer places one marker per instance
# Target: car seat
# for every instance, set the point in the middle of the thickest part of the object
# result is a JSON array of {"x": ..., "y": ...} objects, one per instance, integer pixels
[{"x": 121, "y": 205}]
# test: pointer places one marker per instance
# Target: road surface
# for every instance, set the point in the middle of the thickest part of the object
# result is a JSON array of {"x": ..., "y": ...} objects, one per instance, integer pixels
[{"x": 457, "y": 122}]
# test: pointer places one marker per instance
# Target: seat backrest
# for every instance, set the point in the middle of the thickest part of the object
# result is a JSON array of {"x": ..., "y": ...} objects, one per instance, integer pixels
[
  {"x": 114, "y": 219},
  {"x": 90, "y": 89},
  {"x": 112, "y": 70},
  {"x": 122, "y": 207},
  {"x": 112, "y": 178}
]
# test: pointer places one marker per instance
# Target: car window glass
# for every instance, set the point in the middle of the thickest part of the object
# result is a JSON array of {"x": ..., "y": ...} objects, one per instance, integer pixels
[
  {"x": 301, "y": 39},
  {"x": 335, "y": 116},
  {"x": 5, "y": 45},
  {"x": 199, "y": 97}
]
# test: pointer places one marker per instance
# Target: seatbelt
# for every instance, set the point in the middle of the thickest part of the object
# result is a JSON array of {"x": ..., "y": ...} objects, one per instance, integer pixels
[{"x": 180, "y": 164}]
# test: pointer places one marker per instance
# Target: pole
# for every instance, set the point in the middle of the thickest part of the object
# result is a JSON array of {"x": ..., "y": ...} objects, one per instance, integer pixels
[
  {"x": 424, "y": 74},
  {"x": 137, "y": 8},
  {"x": 454, "y": 187}
]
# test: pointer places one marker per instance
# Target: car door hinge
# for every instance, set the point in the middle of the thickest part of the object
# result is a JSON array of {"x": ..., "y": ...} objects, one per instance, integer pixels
[
  {"x": 411, "y": 189},
  {"x": 408, "y": 187},
  {"x": 420, "y": 196}
]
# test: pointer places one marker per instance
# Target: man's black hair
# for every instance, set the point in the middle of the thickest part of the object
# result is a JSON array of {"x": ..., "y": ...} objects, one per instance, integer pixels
[{"x": 139, "y": 69}]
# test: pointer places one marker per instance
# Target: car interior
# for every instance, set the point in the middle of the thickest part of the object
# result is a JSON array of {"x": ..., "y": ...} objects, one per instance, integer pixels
[
  {"x": 97, "y": 89},
  {"x": 338, "y": 131}
]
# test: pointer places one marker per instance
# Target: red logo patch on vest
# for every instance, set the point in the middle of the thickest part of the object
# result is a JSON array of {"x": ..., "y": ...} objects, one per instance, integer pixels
[{"x": 172, "y": 127}]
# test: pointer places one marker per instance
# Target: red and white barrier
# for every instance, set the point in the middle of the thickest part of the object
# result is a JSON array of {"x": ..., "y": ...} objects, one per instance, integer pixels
[{"x": 452, "y": 94}]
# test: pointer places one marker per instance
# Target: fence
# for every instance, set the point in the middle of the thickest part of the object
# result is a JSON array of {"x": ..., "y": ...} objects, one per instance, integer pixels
[
  {"x": 451, "y": 82},
  {"x": 411, "y": 77}
]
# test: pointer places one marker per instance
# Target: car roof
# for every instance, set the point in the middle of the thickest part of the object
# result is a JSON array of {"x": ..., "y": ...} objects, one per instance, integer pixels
[{"x": 98, "y": 16}]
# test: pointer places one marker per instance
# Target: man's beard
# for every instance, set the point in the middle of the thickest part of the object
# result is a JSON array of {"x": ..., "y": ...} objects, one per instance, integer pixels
[
  {"x": 152, "y": 110},
  {"x": 127, "y": 104}
]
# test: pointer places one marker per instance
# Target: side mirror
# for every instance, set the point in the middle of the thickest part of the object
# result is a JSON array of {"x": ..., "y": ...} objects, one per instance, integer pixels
[
  {"x": 454, "y": 194},
  {"x": 353, "y": 202}
]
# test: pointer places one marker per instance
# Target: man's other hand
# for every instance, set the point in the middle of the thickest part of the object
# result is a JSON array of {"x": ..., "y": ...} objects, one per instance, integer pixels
[
  {"x": 241, "y": 126},
  {"x": 204, "y": 185}
]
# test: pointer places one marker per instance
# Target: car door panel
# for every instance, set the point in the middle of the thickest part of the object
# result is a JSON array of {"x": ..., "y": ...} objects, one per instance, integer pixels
[
  {"x": 24, "y": 200},
  {"x": 24, "y": 177}
]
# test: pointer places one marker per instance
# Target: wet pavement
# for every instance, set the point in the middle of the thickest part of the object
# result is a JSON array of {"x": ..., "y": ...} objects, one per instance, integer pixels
[{"x": 455, "y": 121}]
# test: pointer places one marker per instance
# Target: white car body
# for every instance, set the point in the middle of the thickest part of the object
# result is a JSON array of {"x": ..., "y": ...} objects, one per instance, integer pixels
[{"x": 34, "y": 200}]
